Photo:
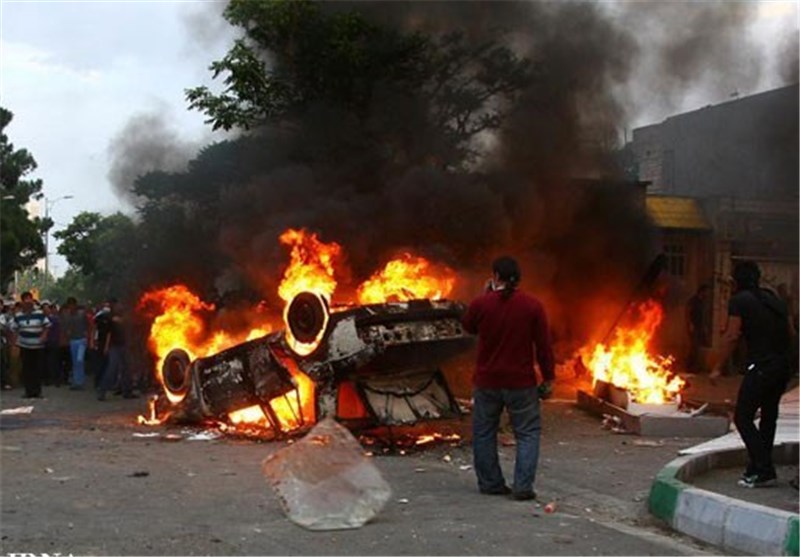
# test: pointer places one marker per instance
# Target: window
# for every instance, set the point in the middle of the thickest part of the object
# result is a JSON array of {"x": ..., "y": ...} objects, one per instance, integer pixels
[{"x": 676, "y": 259}]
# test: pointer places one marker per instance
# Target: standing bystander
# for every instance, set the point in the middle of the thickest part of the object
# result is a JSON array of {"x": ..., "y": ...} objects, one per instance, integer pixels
[
  {"x": 697, "y": 322},
  {"x": 512, "y": 332},
  {"x": 52, "y": 348},
  {"x": 762, "y": 319},
  {"x": 76, "y": 330},
  {"x": 6, "y": 316},
  {"x": 102, "y": 328},
  {"x": 30, "y": 326},
  {"x": 115, "y": 349}
]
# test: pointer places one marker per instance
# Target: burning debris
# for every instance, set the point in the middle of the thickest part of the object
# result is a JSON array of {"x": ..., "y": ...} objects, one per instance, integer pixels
[
  {"x": 625, "y": 361},
  {"x": 636, "y": 391}
]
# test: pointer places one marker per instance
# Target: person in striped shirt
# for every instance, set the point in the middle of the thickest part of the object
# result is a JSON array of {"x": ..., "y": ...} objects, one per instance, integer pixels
[{"x": 30, "y": 326}]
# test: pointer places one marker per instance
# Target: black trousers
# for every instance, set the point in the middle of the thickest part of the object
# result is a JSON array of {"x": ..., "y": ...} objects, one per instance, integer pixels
[
  {"x": 759, "y": 390},
  {"x": 52, "y": 365},
  {"x": 32, "y": 369},
  {"x": 5, "y": 364}
]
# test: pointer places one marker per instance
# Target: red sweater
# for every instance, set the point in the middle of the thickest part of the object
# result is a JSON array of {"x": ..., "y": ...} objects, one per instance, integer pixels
[{"x": 510, "y": 334}]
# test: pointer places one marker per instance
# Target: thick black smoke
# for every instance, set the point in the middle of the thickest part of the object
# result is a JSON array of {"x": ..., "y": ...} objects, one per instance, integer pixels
[
  {"x": 147, "y": 143},
  {"x": 547, "y": 187}
]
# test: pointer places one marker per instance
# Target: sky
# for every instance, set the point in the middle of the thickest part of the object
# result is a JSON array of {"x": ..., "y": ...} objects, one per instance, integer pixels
[{"x": 76, "y": 73}]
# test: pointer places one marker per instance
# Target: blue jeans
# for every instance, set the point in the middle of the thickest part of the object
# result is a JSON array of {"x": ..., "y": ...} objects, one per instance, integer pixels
[
  {"x": 77, "y": 348},
  {"x": 523, "y": 409}
]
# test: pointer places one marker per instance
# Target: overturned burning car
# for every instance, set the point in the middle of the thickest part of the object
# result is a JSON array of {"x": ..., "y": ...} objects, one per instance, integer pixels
[{"x": 367, "y": 365}]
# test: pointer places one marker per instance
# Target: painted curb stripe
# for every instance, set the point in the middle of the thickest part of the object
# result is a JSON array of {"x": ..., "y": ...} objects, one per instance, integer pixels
[
  {"x": 792, "y": 545},
  {"x": 665, "y": 491}
]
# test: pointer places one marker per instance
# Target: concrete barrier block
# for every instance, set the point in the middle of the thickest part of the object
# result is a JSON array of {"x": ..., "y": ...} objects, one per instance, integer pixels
[
  {"x": 756, "y": 529},
  {"x": 701, "y": 514}
]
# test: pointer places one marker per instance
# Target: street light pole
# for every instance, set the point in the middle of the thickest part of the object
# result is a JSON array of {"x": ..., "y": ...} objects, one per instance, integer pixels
[{"x": 47, "y": 204}]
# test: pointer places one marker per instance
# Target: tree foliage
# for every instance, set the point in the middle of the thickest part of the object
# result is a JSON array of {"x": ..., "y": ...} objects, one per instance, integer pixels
[
  {"x": 101, "y": 249},
  {"x": 296, "y": 55},
  {"x": 21, "y": 242}
]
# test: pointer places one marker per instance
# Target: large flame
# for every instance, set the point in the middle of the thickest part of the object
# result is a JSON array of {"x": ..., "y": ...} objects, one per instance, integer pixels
[
  {"x": 406, "y": 278},
  {"x": 625, "y": 361},
  {"x": 181, "y": 319},
  {"x": 311, "y": 266},
  {"x": 180, "y": 325}
]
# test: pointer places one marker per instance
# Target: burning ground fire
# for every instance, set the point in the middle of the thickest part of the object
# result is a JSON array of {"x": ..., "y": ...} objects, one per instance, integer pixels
[
  {"x": 625, "y": 361},
  {"x": 181, "y": 320}
]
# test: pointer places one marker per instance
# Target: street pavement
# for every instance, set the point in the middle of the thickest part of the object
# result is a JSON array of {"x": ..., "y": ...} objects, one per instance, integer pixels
[{"x": 76, "y": 478}]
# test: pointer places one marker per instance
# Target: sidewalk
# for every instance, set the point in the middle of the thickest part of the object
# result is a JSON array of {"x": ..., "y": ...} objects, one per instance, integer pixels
[{"x": 696, "y": 493}]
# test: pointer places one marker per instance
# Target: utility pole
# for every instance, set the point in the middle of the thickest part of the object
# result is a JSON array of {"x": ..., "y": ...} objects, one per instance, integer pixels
[{"x": 47, "y": 204}]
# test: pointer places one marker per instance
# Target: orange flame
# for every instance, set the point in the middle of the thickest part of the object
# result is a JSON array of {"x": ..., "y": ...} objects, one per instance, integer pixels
[
  {"x": 152, "y": 417},
  {"x": 626, "y": 363},
  {"x": 311, "y": 267},
  {"x": 294, "y": 410},
  {"x": 180, "y": 325},
  {"x": 408, "y": 277}
]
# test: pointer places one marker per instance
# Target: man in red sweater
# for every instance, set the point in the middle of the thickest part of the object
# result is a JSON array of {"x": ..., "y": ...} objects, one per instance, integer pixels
[{"x": 512, "y": 330}]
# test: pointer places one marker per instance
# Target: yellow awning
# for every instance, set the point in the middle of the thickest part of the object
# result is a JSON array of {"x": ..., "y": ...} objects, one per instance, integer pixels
[{"x": 683, "y": 213}]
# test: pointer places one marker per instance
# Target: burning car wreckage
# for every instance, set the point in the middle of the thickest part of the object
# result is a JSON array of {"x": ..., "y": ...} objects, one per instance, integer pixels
[{"x": 367, "y": 365}]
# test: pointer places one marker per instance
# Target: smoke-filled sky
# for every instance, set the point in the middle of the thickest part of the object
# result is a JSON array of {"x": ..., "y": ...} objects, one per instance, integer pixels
[{"x": 88, "y": 80}]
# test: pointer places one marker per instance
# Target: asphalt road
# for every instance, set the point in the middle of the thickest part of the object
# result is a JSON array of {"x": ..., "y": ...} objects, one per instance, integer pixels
[{"x": 75, "y": 479}]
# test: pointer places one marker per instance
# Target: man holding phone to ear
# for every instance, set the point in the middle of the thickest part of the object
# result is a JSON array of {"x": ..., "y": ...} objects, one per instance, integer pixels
[{"x": 512, "y": 332}]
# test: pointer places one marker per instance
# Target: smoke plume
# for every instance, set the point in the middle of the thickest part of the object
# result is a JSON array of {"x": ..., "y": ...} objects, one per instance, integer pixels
[
  {"x": 147, "y": 143},
  {"x": 547, "y": 186}
]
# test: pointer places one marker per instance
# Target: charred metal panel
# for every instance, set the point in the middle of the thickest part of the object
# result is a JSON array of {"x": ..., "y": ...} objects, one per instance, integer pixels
[
  {"x": 392, "y": 337},
  {"x": 241, "y": 376}
]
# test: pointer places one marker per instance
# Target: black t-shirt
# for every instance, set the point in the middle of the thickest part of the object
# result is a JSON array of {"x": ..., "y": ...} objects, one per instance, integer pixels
[
  {"x": 764, "y": 322},
  {"x": 102, "y": 322}
]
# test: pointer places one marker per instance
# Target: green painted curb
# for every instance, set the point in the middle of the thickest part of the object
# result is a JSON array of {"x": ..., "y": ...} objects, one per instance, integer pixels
[
  {"x": 792, "y": 545},
  {"x": 664, "y": 493}
]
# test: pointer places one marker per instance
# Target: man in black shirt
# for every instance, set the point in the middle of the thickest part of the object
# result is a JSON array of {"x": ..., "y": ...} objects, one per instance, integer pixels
[
  {"x": 102, "y": 327},
  {"x": 762, "y": 319},
  {"x": 116, "y": 351}
]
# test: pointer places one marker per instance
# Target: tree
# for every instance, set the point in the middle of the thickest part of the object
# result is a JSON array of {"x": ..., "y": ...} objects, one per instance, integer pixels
[
  {"x": 101, "y": 249},
  {"x": 295, "y": 55},
  {"x": 71, "y": 283},
  {"x": 21, "y": 242}
]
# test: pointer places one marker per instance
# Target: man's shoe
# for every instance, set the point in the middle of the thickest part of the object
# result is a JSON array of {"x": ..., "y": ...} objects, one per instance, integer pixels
[
  {"x": 759, "y": 480},
  {"x": 505, "y": 490},
  {"x": 523, "y": 495}
]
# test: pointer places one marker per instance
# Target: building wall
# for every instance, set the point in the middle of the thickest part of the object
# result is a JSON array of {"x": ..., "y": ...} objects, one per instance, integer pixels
[
  {"x": 744, "y": 148},
  {"x": 741, "y": 159}
]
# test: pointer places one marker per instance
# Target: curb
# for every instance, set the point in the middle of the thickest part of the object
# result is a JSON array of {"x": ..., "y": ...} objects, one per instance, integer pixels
[{"x": 720, "y": 520}]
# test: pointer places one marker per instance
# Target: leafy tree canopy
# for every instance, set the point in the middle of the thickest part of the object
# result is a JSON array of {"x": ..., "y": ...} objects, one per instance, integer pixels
[
  {"x": 101, "y": 248},
  {"x": 21, "y": 243},
  {"x": 295, "y": 55}
]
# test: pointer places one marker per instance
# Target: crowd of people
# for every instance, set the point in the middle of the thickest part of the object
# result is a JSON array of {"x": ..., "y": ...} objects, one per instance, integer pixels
[{"x": 50, "y": 344}]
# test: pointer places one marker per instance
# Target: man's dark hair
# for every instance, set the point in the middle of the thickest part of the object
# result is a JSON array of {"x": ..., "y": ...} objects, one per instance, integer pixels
[
  {"x": 507, "y": 269},
  {"x": 26, "y": 295},
  {"x": 71, "y": 301},
  {"x": 746, "y": 274}
]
